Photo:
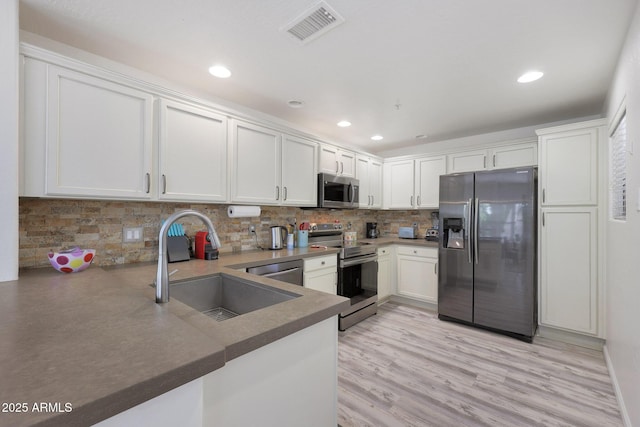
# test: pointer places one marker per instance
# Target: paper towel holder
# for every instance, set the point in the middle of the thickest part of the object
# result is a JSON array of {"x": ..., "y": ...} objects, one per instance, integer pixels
[{"x": 243, "y": 211}]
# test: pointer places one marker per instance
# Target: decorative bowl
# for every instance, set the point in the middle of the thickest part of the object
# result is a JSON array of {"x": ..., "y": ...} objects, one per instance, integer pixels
[{"x": 72, "y": 260}]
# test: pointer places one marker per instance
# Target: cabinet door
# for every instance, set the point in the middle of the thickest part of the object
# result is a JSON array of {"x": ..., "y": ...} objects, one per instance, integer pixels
[
  {"x": 428, "y": 173},
  {"x": 329, "y": 162},
  {"x": 347, "y": 162},
  {"x": 362, "y": 174},
  {"x": 375, "y": 183},
  {"x": 568, "y": 168},
  {"x": 418, "y": 277},
  {"x": 369, "y": 173},
  {"x": 99, "y": 137},
  {"x": 336, "y": 161},
  {"x": 513, "y": 156},
  {"x": 256, "y": 164},
  {"x": 193, "y": 153},
  {"x": 299, "y": 172},
  {"x": 467, "y": 161},
  {"x": 324, "y": 280},
  {"x": 568, "y": 269},
  {"x": 385, "y": 284},
  {"x": 398, "y": 191}
]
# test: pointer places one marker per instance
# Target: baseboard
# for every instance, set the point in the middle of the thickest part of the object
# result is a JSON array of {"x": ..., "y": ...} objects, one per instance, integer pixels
[
  {"x": 570, "y": 337},
  {"x": 413, "y": 302},
  {"x": 616, "y": 388}
]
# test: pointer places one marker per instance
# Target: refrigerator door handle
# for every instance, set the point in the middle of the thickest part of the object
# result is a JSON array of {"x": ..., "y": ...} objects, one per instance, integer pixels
[
  {"x": 469, "y": 216},
  {"x": 476, "y": 213}
]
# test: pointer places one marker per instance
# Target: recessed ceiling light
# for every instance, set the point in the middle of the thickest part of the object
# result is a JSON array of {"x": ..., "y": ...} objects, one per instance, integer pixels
[
  {"x": 530, "y": 76},
  {"x": 220, "y": 71},
  {"x": 344, "y": 123},
  {"x": 376, "y": 137},
  {"x": 294, "y": 103},
  {"x": 421, "y": 136}
]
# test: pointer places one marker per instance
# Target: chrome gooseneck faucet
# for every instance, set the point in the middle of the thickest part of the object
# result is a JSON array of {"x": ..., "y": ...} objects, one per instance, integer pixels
[{"x": 162, "y": 277}]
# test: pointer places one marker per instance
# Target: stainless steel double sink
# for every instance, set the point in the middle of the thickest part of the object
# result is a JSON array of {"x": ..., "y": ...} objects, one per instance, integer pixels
[{"x": 222, "y": 296}]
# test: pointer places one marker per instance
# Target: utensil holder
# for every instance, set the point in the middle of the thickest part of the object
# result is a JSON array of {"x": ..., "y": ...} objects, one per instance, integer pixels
[{"x": 303, "y": 238}]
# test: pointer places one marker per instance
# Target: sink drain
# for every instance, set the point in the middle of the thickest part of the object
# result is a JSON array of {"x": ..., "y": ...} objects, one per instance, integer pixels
[{"x": 219, "y": 314}]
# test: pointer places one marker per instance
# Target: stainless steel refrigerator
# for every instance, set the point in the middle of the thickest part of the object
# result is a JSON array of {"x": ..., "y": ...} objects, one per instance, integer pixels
[{"x": 487, "y": 251}]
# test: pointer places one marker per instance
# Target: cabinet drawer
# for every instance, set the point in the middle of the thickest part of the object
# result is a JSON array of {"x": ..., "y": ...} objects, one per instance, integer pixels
[
  {"x": 317, "y": 263},
  {"x": 385, "y": 251},
  {"x": 418, "y": 251}
]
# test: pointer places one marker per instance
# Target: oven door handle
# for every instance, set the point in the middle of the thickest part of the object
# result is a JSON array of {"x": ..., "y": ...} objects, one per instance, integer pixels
[{"x": 357, "y": 261}]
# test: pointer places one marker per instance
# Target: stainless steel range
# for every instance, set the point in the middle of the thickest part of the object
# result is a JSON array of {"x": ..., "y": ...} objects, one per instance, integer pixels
[{"x": 357, "y": 272}]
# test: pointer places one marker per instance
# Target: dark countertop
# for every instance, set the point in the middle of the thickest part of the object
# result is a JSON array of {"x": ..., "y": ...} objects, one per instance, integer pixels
[{"x": 96, "y": 340}]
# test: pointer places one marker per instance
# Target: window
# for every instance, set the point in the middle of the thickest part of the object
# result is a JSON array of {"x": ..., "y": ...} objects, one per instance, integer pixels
[{"x": 618, "y": 170}]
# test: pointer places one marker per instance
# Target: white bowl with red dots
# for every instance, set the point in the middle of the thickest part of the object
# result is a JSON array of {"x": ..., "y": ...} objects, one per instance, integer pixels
[{"x": 72, "y": 260}]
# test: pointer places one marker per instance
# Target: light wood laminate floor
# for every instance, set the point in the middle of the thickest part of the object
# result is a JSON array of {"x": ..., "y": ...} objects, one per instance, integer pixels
[{"x": 404, "y": 367}]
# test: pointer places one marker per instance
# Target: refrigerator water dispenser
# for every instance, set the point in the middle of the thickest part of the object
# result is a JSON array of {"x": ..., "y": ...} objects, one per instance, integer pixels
[{"x": 453, "y": 233}]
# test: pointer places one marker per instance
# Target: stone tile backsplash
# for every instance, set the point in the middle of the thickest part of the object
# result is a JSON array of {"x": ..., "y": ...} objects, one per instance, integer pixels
[{"x": 55, "y": 224}]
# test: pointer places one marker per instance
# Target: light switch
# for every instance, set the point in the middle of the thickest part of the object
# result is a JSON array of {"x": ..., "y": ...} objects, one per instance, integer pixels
[{"x": 132, "y": 234}]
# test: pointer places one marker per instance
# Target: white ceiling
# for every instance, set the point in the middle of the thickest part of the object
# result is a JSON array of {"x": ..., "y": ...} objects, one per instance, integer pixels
[{"x": 451, "y": 65}]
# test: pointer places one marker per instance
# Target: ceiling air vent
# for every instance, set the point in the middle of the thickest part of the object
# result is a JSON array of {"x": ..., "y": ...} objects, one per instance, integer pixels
[{"x": 313, "y": 22}]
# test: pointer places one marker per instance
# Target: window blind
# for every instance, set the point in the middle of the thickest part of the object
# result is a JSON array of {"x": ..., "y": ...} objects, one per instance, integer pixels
[{"x": 618, "y": 171}]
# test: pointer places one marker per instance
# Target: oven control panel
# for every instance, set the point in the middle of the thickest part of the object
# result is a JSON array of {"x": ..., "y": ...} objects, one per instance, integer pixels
[{"x": 330, "y": 226}]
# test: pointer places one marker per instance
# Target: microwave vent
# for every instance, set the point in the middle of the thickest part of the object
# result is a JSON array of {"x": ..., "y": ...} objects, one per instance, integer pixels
[{"x": 313, "y": 22}]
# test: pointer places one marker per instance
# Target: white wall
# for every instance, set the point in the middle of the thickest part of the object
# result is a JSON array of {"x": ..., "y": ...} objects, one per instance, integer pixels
[
  {"x": 623, "y": 240},
  {"x": 9, "y": 140}
]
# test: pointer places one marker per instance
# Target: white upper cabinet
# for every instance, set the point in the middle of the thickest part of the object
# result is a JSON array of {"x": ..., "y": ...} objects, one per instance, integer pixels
[
  {"x": 467, "y": 161},
  {"x": 369, "y": 173},
  {"x": 499, "y": 157},
  {"x": 428, "y": 171},
  {"x": 193, "y": 153},
  {"x": 299, "y": 171},
  {"x": 569, "y": 168},
  {"x": 271, "y": 168},
  {"x": 99, "y": 137},
  {"x": 512, "y": 156},
  {"x": 256, "y": 164},
  {"x": 398, "y": 184},
  {"x": 337, "y": 161},
  {"x": 413, "y": 184}
]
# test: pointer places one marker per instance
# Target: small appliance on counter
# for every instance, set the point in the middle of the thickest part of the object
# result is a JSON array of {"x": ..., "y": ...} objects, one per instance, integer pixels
[
  {"x": 278, "y": 237},
  {"x": 204, "y": 249},
  {"x": 408, "y": 232},
  {"x": 372, "y": 230},
  {"x": 433, "y": 235}
]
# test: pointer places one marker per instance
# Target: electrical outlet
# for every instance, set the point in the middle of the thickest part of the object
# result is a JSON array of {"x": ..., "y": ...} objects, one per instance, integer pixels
[
  {"x": 252, "y": 229},
  {"x": 132, "y": 234}
]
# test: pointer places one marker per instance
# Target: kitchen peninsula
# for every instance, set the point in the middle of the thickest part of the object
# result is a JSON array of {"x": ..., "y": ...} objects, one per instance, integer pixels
[{"x": 85, "y": 347}]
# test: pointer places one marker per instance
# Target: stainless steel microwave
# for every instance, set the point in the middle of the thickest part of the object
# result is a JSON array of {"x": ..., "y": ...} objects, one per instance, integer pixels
[{"x": 337, "y": 192}]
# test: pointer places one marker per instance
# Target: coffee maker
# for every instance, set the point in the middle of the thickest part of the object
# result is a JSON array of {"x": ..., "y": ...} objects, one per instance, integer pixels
[{"x": 372, "y": 230}]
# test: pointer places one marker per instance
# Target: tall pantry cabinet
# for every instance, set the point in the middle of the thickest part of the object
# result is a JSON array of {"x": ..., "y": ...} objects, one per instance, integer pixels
[{"x": 572, "y": 209}]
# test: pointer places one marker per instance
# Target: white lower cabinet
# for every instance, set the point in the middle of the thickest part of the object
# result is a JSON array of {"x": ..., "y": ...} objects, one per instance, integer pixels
[
  {"x": 289, "y": 382},
  {"x": 321, "y": 273},
  {"x": 385, "y": 272},
  {"x": 568, "y": 269},
  {"x": 417, "y": 273}
]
